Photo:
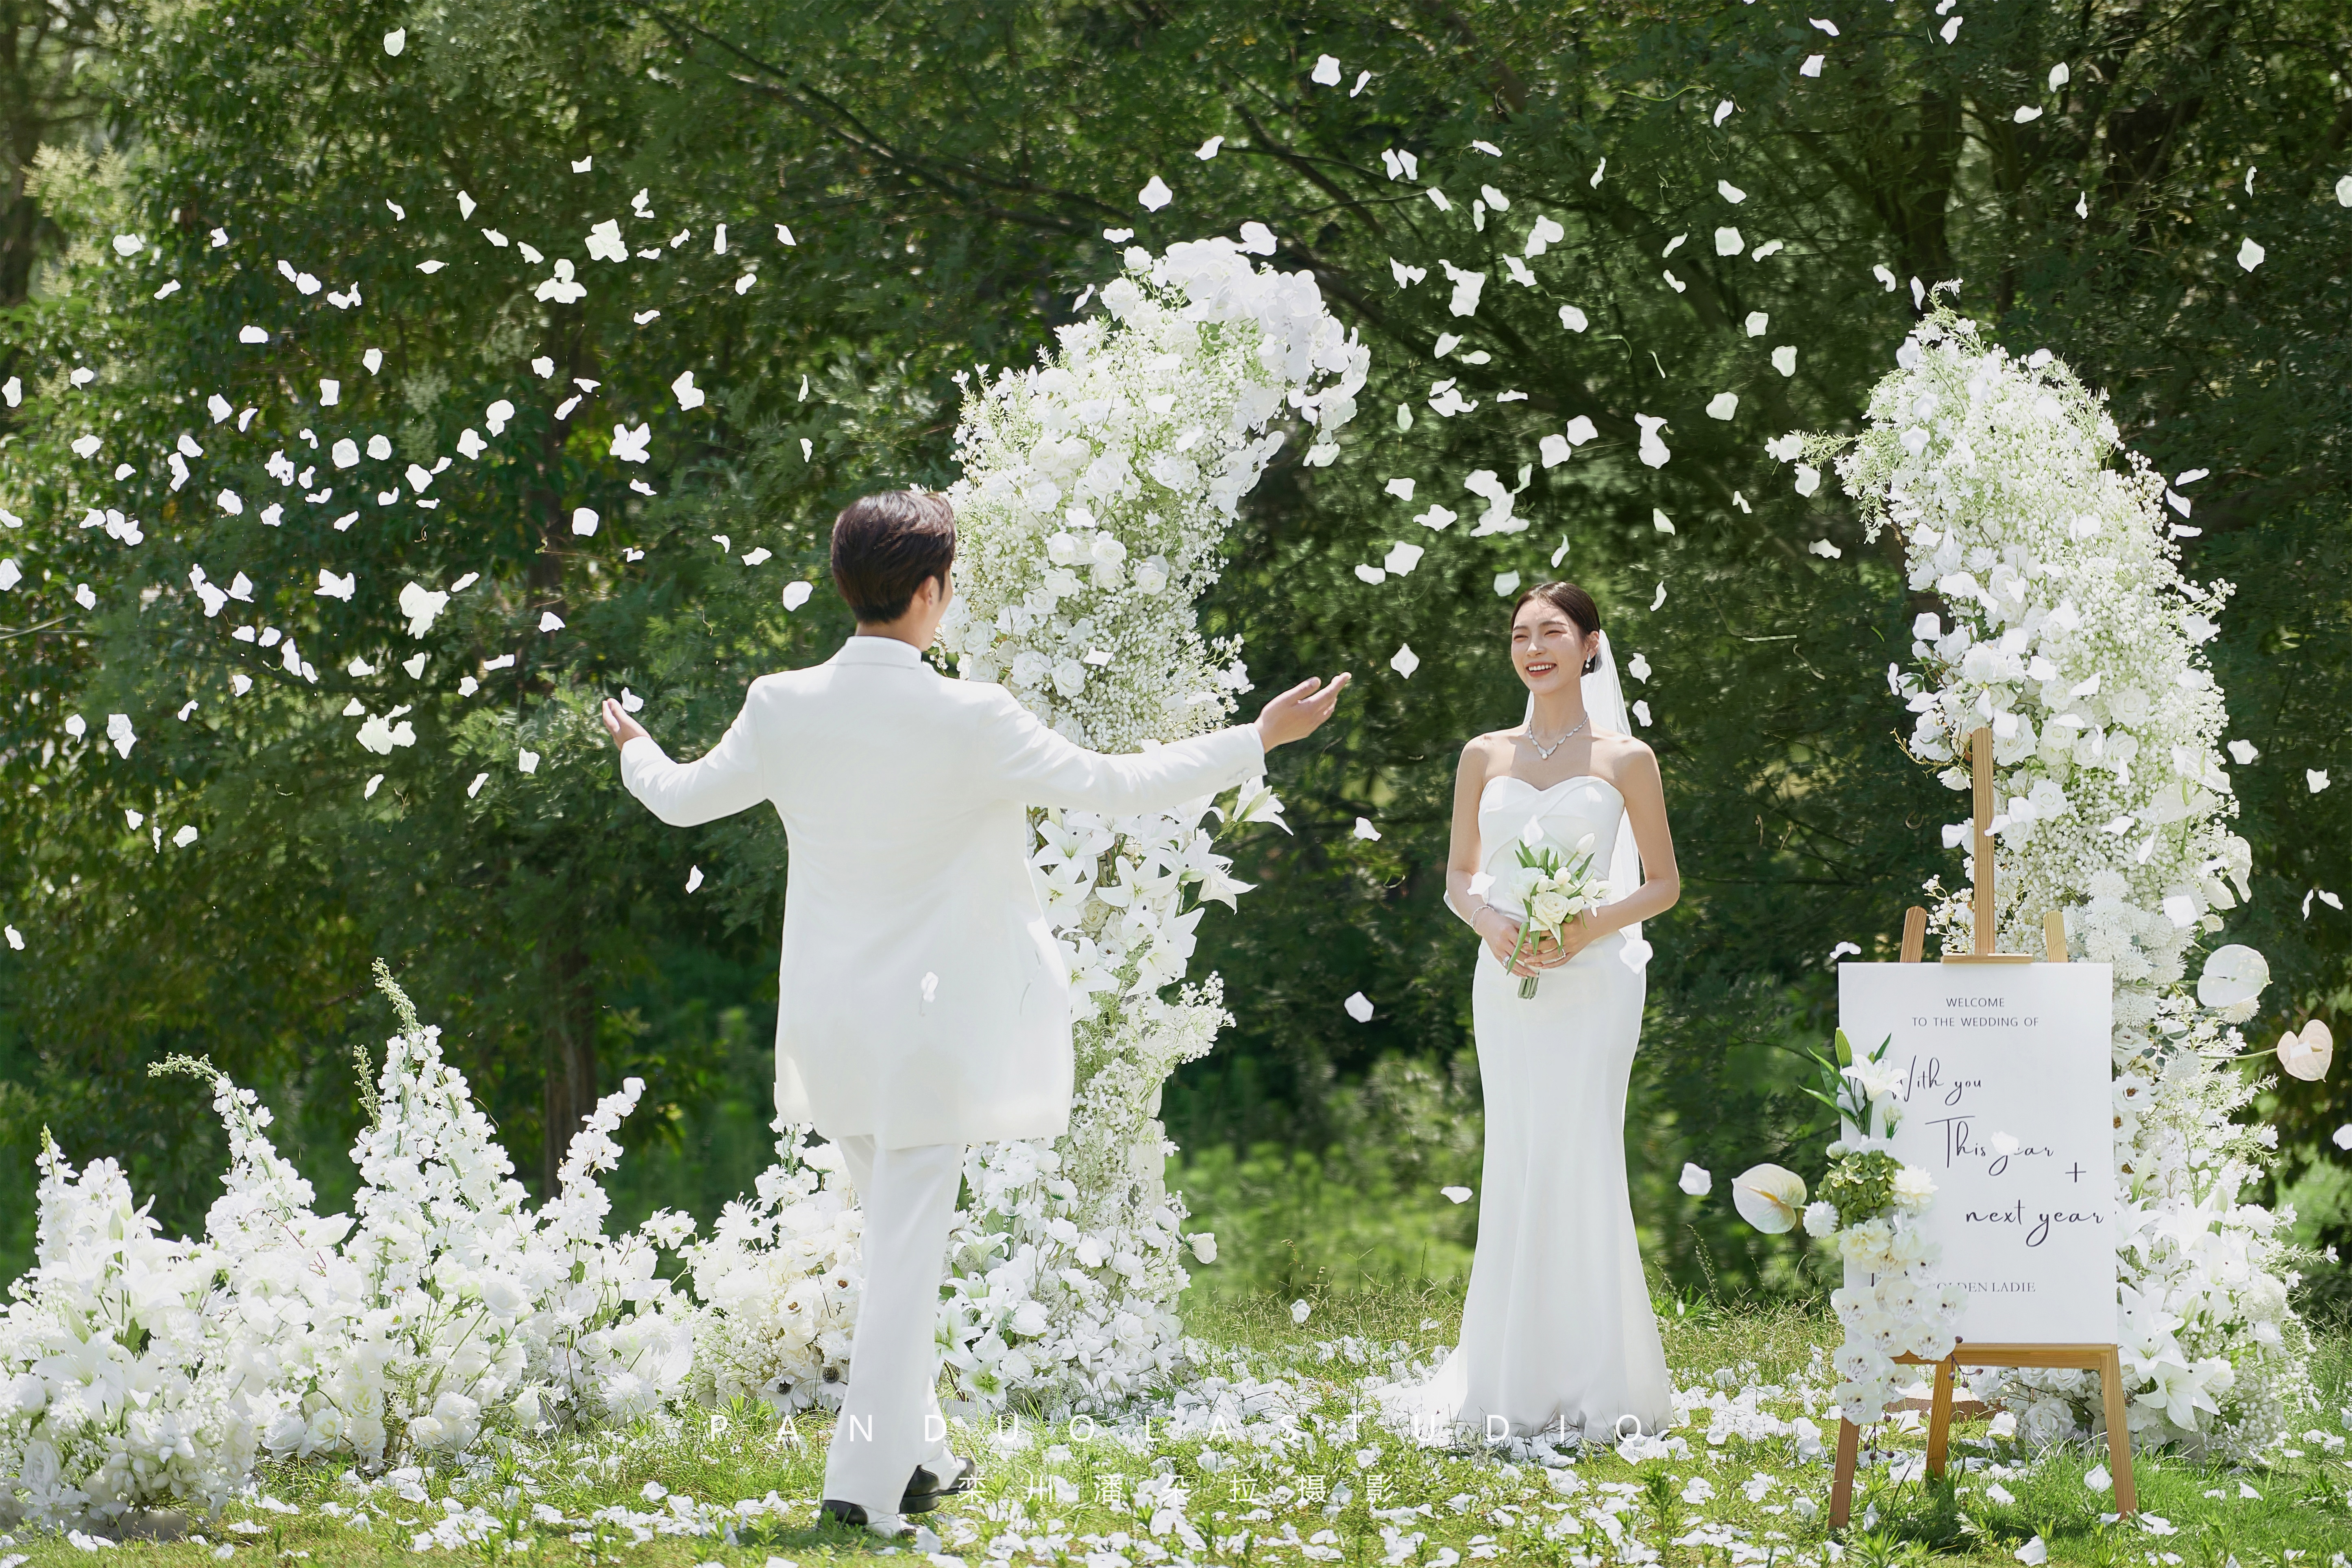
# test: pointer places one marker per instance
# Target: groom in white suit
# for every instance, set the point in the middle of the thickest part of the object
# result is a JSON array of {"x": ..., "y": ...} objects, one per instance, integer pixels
[{"x": 922, "y": 1002}]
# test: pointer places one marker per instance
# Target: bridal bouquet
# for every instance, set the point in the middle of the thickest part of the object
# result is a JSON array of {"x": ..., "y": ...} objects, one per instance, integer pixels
[{"x": 1552, "y": 893}]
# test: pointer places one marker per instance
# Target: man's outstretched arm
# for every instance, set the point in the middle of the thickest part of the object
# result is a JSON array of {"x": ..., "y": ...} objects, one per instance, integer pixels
[
  {"x": 1042, "y": 768},
  {"x": 723, "y": 781}
]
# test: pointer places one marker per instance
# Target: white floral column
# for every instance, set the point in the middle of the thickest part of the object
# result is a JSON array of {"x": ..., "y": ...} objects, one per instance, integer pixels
[
  {"x": 1096, "y": 489},
  {"x": 2070, "y": 631}
]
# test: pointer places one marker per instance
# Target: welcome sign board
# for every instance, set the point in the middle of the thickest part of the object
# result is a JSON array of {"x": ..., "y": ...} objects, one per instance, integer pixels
[{"x": 2007, "y": 1106}]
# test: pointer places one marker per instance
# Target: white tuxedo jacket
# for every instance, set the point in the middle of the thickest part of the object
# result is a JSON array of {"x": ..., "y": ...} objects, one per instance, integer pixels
[{"x": 922, "y": 998}]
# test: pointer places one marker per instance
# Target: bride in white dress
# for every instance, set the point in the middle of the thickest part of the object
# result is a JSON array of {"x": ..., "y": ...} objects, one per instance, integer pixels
[{"x": 1557, "y": 1333}]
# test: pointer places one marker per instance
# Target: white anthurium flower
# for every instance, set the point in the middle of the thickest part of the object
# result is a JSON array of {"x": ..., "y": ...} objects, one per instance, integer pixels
[
  {"x": 2233, "y": 973},
  {"x": 1770, "y": 1197},
  {"x": 2306, "y": 1052}
]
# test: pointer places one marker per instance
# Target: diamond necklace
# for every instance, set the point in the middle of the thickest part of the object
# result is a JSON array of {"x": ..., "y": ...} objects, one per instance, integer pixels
[{"x": 1545, "y": 752}]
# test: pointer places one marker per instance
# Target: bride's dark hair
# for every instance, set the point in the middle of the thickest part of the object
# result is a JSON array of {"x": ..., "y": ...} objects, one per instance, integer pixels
[{"x": 1571, "y": 601}]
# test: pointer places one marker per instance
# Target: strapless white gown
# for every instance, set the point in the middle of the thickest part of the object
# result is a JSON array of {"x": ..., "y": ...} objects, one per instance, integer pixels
[{"x": 1557, "y": 1331}]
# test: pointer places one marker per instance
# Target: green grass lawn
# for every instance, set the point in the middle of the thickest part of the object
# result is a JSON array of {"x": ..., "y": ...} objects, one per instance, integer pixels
[{"x": 1311, "y": 1479}]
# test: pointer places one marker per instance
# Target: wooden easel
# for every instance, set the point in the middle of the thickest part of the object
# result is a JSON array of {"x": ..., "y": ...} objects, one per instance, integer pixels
[
  {"x": 2103, "y": 1359},
  {"x": 1915, "y": 920}
]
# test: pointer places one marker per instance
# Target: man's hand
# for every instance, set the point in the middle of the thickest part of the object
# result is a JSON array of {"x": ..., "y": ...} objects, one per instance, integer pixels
[
  {"x": 1299, "y": 711},
  {"x": 619, "y": 725}
]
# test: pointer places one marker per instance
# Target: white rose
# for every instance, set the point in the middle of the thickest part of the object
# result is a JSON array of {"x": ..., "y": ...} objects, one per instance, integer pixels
[
  {"x": 1121, "y": 297},
  {"x": 456, "y": 1412},
  {"x": 25, "y": 1395},
  {"x": 40, "y": 1466},
  {"x": 366, "y": 1434},
  {"x": 1151, "y": 576},
  {"x": 1865, "y": 1245}
]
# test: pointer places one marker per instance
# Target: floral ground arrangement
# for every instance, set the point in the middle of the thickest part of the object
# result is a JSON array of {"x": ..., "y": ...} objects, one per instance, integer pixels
[{"x": 1271, "y": 1456}]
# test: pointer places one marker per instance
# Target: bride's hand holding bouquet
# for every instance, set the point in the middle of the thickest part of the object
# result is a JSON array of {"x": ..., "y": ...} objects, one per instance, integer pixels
[{"x": 1557, "y": 895}]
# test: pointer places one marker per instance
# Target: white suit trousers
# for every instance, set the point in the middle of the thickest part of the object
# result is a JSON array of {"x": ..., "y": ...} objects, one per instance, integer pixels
[{"x": 891, "y": 1419}]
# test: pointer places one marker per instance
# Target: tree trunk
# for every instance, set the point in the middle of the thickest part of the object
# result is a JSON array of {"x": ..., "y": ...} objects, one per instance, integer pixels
[{"x": 570, "y": 1089}]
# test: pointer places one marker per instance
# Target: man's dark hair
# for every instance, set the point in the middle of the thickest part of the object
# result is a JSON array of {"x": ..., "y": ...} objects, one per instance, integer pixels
[{"x": 884, "y": 545}]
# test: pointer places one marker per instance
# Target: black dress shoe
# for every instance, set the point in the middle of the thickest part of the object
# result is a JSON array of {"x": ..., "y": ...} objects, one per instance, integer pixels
[
  {"x": 855, "y": 1516},
  {"x": 924, "y": 1491}
]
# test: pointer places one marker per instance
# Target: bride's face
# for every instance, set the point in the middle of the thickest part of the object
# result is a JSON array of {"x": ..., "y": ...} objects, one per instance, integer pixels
[{"x": 1547, "y": 648}]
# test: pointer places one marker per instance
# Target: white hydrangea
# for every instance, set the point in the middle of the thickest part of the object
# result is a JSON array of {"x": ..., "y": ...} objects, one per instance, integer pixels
[{"x": 2072, "y": 635}]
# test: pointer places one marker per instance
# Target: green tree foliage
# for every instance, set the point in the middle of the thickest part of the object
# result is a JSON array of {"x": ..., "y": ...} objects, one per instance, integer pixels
[
  {"x": 45, "y": 102},
  {"x": 951, "y": 175}
]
